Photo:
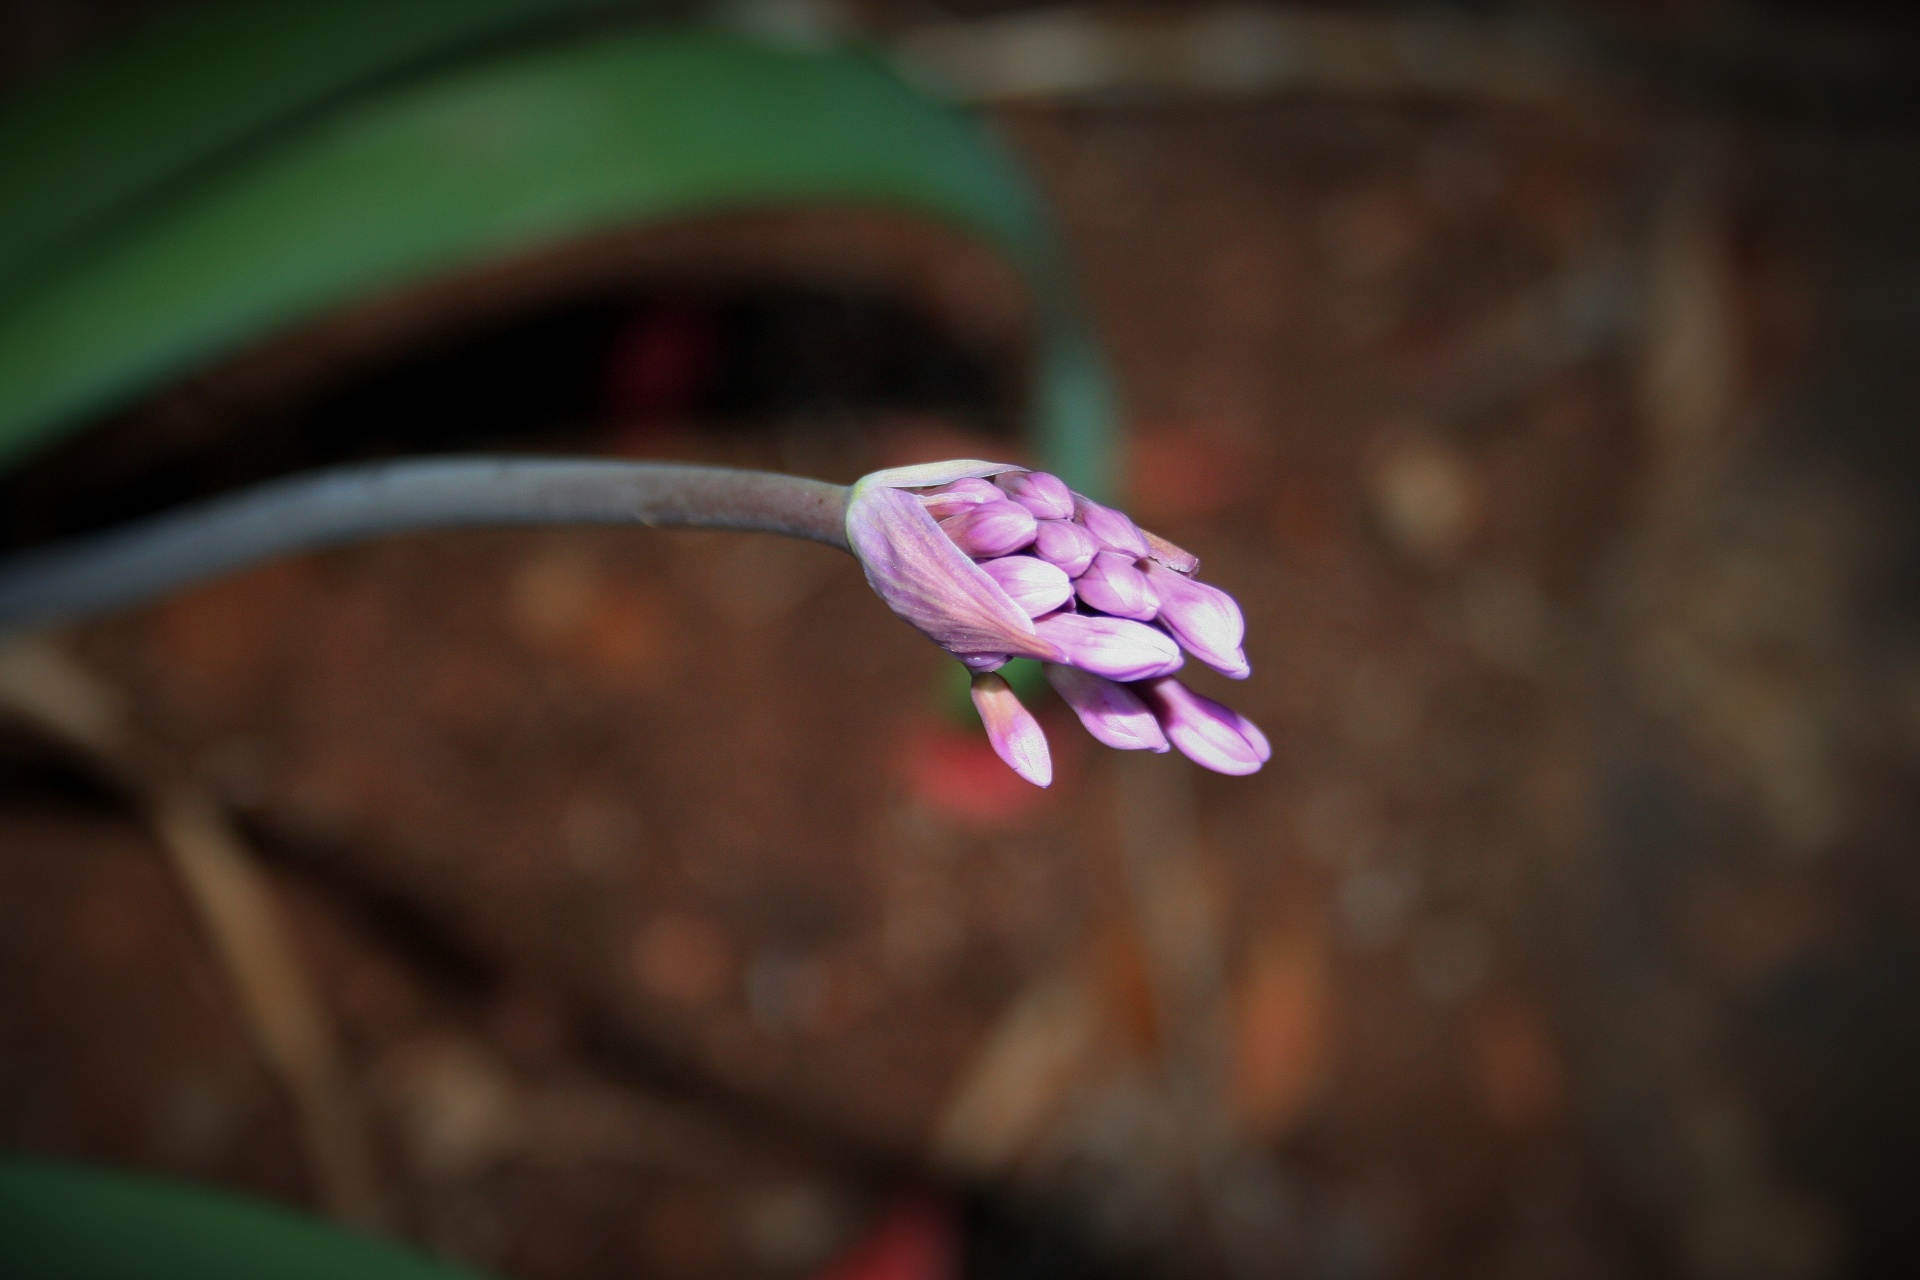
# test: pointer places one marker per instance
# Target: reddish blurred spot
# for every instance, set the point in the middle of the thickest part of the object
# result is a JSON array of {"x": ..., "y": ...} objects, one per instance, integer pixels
[
  {"x": 1126, "y": 988},
  {"x": 911, "y": 440},
  {"x": 955, "y": 773},
  {"x": 1282, "y": 1029},
  {"x": 915, "y": 1239},
  {"x": 529, "y": 1026},
  {"x": 629, "y": 638},
  {"x": 685, "y": 959},
  {"x": 224, "y": 634},
  {"x": 1184, "y": 473},
  {"x": 1750, "y": 932},
  {"x": 1522, "y": 1079},
  {"x": 683, "y": 1231},
  {"x": 657, "y": 373},
  {"x": 1306, "y": 516},
  {"x": 120, "y": 915},
  {"x": 623, "y": 630},
  {"x": 1433, "y": 352}
]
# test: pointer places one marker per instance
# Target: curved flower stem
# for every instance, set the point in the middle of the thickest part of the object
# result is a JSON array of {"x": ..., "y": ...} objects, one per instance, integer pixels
[{"x": 128, "y": 565}]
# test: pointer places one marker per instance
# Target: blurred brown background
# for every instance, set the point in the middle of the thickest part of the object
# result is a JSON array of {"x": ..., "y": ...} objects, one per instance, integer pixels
[{"x": 1539, "y": 378}]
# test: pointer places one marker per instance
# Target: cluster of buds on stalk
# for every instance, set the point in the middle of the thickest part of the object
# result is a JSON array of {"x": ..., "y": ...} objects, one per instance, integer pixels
[{"x": 995, "y": 562}]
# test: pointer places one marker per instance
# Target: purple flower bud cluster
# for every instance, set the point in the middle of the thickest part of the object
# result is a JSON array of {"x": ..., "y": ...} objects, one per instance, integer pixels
[{"x": 994, "y": 562}]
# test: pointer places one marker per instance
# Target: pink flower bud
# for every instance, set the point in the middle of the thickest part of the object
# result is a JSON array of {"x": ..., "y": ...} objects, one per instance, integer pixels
[
  {"x": 1112, "y": 585},
  {"x": 956, "y": 580},
  {"x": 915, "y": 567},
  {"x": 1111, "y": 712},
  {"x": 1109, "y": 528},
  {"x": 1210, "y": 735},
  {"x": 991, "y": 529},
  {"x": 1206, "y": 620},
  {"x": 1112, "y": 647},
  {"x": 1035, "y": 585},
  {"x": 1066, "y": 544},
  {"x": 1046, "y": 496},
  {"x": 961, "y": 495},
  {"x": 1016, "y": 736}
]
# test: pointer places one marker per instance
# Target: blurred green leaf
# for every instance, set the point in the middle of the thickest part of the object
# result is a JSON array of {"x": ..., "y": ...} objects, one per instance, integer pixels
[
  {"x": 64, "y": 1222},
  {"x": 185, "y": 94},
  {"x": 453, "y": 170}
]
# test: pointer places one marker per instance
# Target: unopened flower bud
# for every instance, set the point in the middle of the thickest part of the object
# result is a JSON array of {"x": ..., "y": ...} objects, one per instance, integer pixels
[
  {"x": 991, "y": 529},
  {"x": 1206, "y": 620},
  {"x": 1066, "y": 544},
  {"x": 1111, "y": 712},
  {"x": 1016, "y": 736},
  {"x": 1035, "y": 585},
  {"x": 961, "y": 495},
  {"x": 956, "y": 579},
  {"x": 916, "y": 568},
  {"x": 1112, "y": 585},
  {"x": 1210, "y": 735},
  {"x": 1046, "y": 496},
  {"x": 1112, "y": 647},
  {"x": 1110, "y": 528}
]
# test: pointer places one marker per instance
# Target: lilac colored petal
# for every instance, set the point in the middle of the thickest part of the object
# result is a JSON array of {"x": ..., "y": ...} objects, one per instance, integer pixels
[
  {"x": 1112, "y": 647},
  {"x": 931, "y": 583},
  {"x": 1205, "y": 618},
  {"x": 1112, "y": 585},
  {"x": 1111, "y": 712},
  {"x": 1035, "y": 585},
  {"x": 1210, "y": 735},
  {"x": 991, "y": 529},
  {"x": 1066, "y": 544},
  {"x": 1046, "y": 496},
  {"x": 1016, "y": 736},
  {"x": 1178, "y": 559},
  {"x": 1110, "y": 528},
  {"x": 925, "y": 475},
  {"x": 979, "y": 490},
  {"x": 961, "y": 495},
  {"x": 984, "y": 661}
]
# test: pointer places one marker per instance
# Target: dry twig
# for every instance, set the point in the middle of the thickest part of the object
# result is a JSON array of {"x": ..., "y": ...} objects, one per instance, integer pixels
[{"x": 45, "y": 686}]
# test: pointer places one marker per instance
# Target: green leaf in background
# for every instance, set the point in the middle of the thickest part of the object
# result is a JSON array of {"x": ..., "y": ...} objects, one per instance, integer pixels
[
  {"x": 65, "y": 1222},
  {"x": 502, "y": 156},
  {"x": 96, "y": 142}
]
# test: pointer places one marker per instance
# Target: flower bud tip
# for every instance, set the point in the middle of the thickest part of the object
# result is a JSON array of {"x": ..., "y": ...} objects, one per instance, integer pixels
[
  {"x": 1209, "y": 734},
  {"x": 1111, "y": 712},
  {"x": 1116, "y": 648},
  {"x": 1016, "y": 736},
  {"x": 1035, "y": 585},
  {"x": 1046, "y": 496},
  {"x": 991, "y": 528},
  {"x": 1113, "y": 586}
]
